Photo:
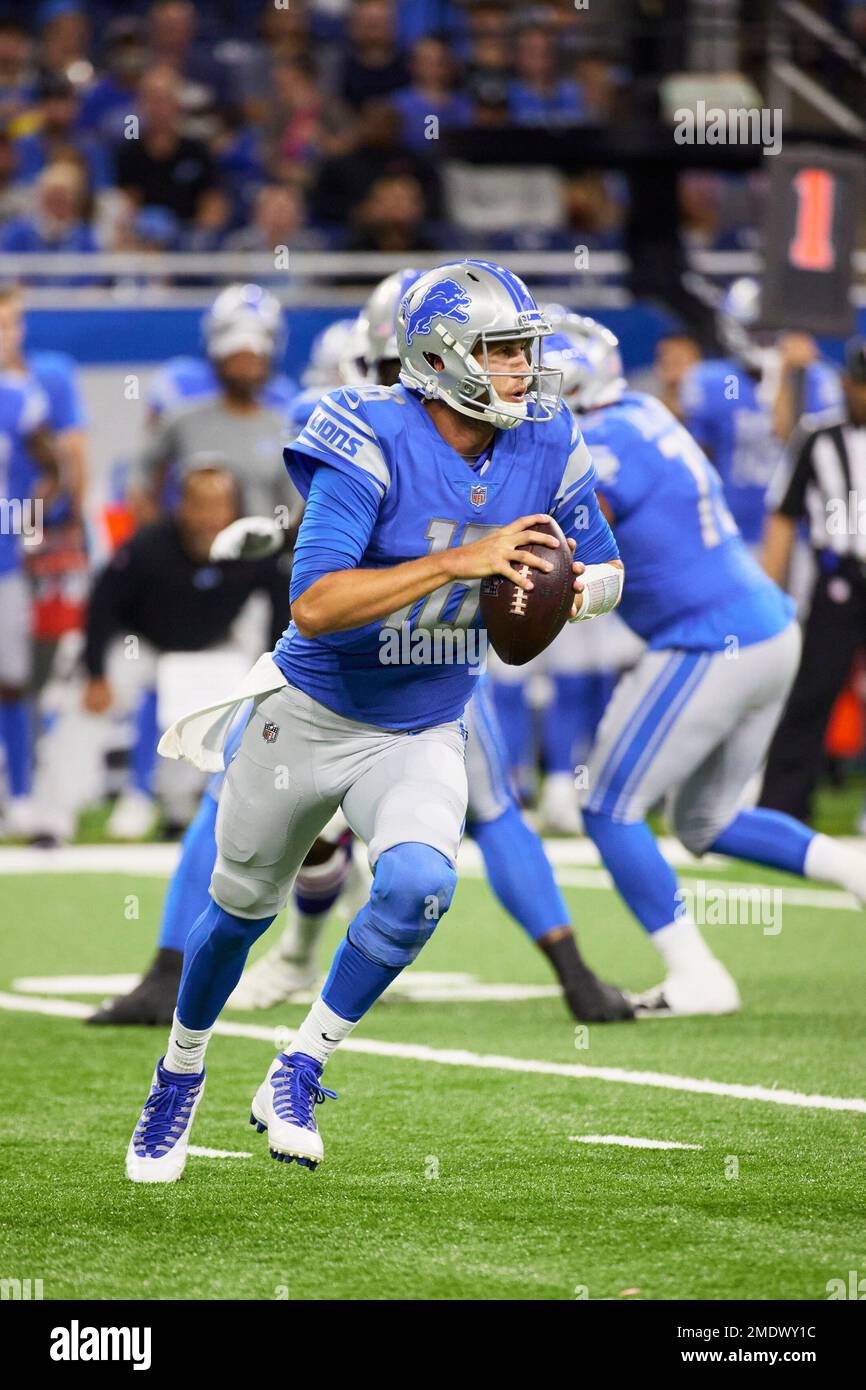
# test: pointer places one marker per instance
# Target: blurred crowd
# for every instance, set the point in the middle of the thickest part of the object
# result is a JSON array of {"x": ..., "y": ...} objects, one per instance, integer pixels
[{"x": 170, "y": 127}]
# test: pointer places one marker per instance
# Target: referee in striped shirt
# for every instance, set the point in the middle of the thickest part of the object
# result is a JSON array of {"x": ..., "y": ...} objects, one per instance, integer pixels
[{"x": 822, "y": 482}]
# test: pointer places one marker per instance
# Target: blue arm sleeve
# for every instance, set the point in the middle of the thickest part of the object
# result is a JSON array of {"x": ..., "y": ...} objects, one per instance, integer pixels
[
  {"x": 593, "y": 537},
  {"x": 338, "y": 521}
]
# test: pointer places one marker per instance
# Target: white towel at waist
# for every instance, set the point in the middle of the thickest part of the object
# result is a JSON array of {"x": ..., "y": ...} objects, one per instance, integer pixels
[{"x": 199, "y": 736}]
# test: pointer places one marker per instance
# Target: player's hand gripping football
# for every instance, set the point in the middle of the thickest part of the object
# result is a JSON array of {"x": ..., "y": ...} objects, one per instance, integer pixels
[{"x": 503, "y": 552}]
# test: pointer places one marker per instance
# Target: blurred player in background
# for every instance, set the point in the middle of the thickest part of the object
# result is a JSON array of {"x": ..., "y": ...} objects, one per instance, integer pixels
[
  {"x": 741, "y": 408},
  {"x": 820, "y": 483},
  {"x": 58, "y": 566},
  {"x": 229, "y": 409},
  {"x": 29, "y": 482},
  {"x": 159, "y": 594},
  {"x": 691, "y": 723}
]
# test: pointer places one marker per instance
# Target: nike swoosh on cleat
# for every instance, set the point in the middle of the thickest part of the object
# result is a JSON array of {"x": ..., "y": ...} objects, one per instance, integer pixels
[{"x": 333, "y": 1040}]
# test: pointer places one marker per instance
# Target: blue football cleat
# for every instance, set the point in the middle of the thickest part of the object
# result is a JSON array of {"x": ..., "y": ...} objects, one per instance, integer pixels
[
  {"x": 285, "y": 1106},
  {"x": 157, "y": 1149}
]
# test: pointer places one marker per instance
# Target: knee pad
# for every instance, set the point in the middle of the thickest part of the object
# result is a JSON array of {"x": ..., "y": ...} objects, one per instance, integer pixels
[
  {"x": 412, "y": 887},
  {"x": 243, "y": 895}
]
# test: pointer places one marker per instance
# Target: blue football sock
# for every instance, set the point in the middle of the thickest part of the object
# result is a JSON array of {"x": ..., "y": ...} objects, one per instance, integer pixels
[
  {"x": 516, "y": 725},
  {"x": 214, "y": 957},
  {"x": 355, "y": 981},
  {"x": 571, "y": 718},
  {"x": 144, "y": 747},
  {"x": 766, "y": 837},
  {"x": 519, "y": 872},
  {"x": 15, "y": 728},
  {"x": 643, "y": 876},
  {"x": 187, "y": 895}
]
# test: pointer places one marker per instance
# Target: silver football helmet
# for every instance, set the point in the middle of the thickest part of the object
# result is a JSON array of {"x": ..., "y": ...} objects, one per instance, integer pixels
[
  {"x": 244, "y": 316},
  {"x": 588, "y": 356},
  {"x": 457, "y": 311}
]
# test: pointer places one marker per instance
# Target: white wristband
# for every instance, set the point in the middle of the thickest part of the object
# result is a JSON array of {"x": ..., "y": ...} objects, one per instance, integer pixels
[{"x": 602, "y": 589}]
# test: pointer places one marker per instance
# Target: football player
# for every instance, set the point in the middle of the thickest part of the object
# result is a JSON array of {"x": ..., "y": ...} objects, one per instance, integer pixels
[
  {"x": 517, "y": 867},
  {"x": 30, "y": 476},
  {"x": 692, "y": 721},
  {"x": 414, "y": 494},
  {"x": 741, "y": 408}
]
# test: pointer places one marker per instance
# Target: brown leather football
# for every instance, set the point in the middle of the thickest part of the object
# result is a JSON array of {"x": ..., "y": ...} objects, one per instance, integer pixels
[{"x": 520, "y": 623}]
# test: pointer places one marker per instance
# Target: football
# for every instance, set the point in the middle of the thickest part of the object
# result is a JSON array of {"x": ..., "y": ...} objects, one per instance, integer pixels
[{"x": 520, "y": 623}]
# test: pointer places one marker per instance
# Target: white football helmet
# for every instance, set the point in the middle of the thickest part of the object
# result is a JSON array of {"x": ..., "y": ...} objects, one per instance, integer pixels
[
  {"x": 736, "y": 317},
  {"x": 452, "y": 312},
  {"x": 588, "y": 356},
  {"x": 335, "y": 357},
  {"x": 377, "y": 322},
  {"x": 244, "y": 316}
]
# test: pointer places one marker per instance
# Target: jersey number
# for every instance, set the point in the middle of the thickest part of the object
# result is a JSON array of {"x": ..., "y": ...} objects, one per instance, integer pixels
[
  {"x": 715, "y": 520},
  {"x": 440, "y": 534}
]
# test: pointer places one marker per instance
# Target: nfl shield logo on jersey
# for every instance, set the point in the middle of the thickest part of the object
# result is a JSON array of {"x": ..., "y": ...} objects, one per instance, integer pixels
[
  {"x": 270, "y": 731},
  {"x": 478, "y": 494}
]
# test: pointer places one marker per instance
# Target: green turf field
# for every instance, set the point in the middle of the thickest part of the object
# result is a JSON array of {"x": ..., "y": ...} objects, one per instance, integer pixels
[{"x": 444, "y": 1180}]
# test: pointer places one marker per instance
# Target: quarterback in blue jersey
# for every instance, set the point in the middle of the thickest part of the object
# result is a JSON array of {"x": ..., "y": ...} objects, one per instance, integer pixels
[
  {"x": 692, "y": 721},
  {"x": 738, "y": 408},
  {"x": 414, "y": 494},
  {"x": 514, "y": 858}
]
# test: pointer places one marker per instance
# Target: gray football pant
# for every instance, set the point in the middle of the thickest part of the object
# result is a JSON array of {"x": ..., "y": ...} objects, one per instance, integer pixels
[
  {"x": 297, "y": 763},
  {"x": 691, "y": 728}
]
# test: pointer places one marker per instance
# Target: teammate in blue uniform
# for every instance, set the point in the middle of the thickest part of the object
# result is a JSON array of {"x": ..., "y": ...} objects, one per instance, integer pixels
[
  {"x": 414, "y": 494},
  {"x": 28, "y": 477},
  {"x": 692, "y": 721},
  {"x": 731, "y": 405}
]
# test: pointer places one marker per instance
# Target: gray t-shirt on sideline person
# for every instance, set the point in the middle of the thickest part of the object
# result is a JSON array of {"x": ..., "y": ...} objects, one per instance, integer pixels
[{"x": 207, "y": 434}]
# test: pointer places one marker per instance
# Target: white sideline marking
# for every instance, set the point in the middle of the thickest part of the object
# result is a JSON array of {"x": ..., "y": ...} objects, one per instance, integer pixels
[
  {"x": 625, "y": 1141},
  {"x": 416, "y": 1052},
  {"x": 576, "y": 862},
  {"x": 427, "y": 987},
  {"x": 76, "y": 984},
  {"x": 199, "y": 1152}
]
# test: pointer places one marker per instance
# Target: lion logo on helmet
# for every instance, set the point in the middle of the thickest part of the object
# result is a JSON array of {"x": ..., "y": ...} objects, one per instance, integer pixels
[{"x": 446, "y": 299}]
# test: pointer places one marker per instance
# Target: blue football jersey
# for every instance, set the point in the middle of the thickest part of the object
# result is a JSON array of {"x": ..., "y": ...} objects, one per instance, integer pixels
[
  {"x": 414, "y": 495},
  {"x": 23, "y": 408},
  {"x": 725, "y": 409},
  {"x": 184, "y": 379},
  {"x": 690, "y": 579}
]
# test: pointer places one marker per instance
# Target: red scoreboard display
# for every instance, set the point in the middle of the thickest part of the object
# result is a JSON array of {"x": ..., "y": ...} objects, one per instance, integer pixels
[{"x": 809, "y": 236}]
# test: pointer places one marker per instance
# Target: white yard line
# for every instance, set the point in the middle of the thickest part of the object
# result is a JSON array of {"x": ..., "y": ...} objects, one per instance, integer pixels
[
  {"x": 626, "y": 1141},
  {"x": 481, "y": 1061},
  {"x": 197, "y": 1152},
  {"x": 423, "y": 988},
  {"x": 576, "y": 863}
]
